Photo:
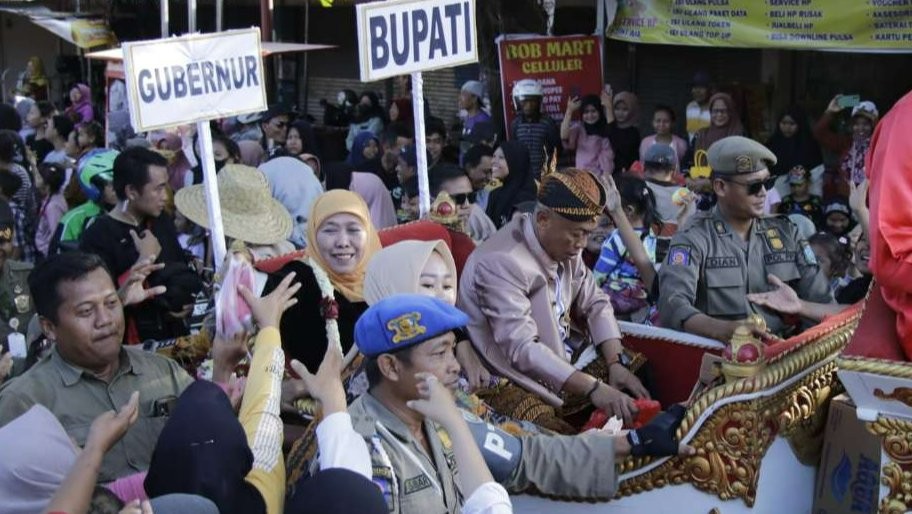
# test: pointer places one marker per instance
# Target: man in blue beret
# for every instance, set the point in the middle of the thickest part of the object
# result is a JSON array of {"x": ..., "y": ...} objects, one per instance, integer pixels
[{"x": 412, "y": 459}]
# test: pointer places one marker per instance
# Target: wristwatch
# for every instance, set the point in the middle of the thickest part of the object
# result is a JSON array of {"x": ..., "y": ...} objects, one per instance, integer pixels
[{"x": 622, "y": 359}]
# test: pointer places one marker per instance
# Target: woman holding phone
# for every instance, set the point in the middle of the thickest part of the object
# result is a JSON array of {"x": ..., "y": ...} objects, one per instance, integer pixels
[{"x": 850, "y": 147}]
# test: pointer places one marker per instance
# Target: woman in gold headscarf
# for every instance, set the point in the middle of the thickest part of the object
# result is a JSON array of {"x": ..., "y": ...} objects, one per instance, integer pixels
[{"x": 341, "y": 241}]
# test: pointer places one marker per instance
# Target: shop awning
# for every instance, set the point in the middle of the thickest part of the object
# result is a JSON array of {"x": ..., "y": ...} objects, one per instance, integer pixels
[
  {"x": 82, "y": 30},
  {"x": 268, "y": 48}
]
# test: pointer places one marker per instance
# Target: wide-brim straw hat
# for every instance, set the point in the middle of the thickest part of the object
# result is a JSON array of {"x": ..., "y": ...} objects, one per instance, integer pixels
[{"x": 249, "y": 212}]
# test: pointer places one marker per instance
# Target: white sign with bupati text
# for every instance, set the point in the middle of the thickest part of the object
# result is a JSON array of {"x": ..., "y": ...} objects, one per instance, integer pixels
[
  {"x": 194, "y": 78},
  {"x": 399, "y": 37}
]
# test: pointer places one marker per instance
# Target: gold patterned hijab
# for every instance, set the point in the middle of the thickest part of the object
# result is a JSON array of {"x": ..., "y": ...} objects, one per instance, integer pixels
[{"x": 339, "y": 201}]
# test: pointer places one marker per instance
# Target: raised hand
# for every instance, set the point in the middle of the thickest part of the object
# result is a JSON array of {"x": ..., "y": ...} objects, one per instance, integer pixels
[
  {"x": 326, "y": 386},
  {"x": 834, "y": 107},
  {"x": 109, "y": 427},
  {"x": 267, "y": 311},
  {"x": 132, "y": 291},
  {"x": 435, "y": 401},
  {"x": 573, "y": 104}
]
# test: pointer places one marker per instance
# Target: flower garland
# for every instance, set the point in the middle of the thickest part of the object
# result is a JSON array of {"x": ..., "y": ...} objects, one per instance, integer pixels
[{"x": 329, "y": 307}]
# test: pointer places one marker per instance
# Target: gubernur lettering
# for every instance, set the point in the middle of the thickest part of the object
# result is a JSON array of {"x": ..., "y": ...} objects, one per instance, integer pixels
[{"x": 198, "y": 78}]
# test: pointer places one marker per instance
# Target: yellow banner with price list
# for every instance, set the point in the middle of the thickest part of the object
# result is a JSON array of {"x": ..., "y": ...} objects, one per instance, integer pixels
[{"x": 795, "y": 24}]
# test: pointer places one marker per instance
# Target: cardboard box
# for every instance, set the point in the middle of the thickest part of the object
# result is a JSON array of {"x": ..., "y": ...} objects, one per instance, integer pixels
[{"x": 848, "y": 479}]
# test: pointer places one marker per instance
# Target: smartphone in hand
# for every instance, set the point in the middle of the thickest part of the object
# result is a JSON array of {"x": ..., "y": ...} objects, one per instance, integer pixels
[{"x": 848, "y": 101}]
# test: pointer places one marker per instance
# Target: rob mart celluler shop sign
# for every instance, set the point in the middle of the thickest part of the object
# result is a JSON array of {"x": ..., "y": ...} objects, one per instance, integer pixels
[{"x": 194, "y": 78}]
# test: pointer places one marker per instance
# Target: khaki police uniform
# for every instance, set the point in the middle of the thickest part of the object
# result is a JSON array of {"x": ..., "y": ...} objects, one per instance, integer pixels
[
  {"x": 411, "y": 480},
  {"x": 710, "y": 269}
]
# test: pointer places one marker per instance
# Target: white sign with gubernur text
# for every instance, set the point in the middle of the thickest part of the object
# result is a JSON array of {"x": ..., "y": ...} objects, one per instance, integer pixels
[
  {"x": 194, "y": 78},
  {"x": 399, "y": 37}
]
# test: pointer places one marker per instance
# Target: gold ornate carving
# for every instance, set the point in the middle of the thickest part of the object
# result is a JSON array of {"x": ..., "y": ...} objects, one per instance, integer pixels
[
  {"x": 887, "y": 368},
  {"x": 899, "y": 481},
  {"x": 896, "y": 438},
  {"x": 731, "y": 443},
  {"x": 900, "y": 394}
]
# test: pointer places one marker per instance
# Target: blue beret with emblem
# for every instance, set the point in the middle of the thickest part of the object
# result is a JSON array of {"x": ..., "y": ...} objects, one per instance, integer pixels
[{"x": 404, "y": 320}]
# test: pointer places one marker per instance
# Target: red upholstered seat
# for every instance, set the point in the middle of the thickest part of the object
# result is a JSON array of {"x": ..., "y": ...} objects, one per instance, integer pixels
[
  {"x": 876, "y": 336},
  {"x": 276, "y": 263},
  {"x": 461, "y": 245}
]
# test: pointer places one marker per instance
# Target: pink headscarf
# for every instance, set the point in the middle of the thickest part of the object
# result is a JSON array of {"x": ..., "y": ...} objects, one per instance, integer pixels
[{"x": 377, "y": 197}]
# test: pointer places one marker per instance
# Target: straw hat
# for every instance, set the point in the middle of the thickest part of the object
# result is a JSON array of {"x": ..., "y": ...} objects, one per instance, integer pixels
[{"x": 249, "y": 212}]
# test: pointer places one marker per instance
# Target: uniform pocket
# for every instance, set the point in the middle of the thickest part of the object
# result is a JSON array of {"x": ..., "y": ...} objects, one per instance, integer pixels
[
  {"x": 784, "y": 271},
  {"x": 725, "y": 292}
]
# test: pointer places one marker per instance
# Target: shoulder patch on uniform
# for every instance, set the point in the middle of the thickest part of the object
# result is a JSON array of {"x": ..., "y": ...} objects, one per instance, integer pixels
[
  {"x": 808, "y": 252},
  {"x": 679, "y": 255}
]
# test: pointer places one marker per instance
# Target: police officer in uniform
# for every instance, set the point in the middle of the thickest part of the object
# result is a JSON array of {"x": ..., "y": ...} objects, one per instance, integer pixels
[
  {"x": 723, "y": 254},
  {"x": 16, "y": 306}
]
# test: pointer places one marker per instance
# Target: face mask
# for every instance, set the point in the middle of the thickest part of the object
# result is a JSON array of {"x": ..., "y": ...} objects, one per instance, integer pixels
[{"x": 220, "y": 164}]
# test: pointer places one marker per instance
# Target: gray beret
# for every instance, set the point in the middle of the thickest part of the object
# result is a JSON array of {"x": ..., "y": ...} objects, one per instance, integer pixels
[{"x": 735, "y": 155}]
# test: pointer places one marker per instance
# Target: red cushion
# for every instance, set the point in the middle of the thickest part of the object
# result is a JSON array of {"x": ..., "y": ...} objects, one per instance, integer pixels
[
  {"x": 675, "y": 367},
  {"x": 276, "y": 263},
  {"x": 460, "y": 245}
]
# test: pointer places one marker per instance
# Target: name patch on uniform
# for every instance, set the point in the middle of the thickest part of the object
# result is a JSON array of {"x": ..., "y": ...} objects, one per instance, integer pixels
[
  {"x": 723, "y": 262},
  {"x": 779, "y": 257},
  {"x": 418, "y": 483},
  {"x": 679, "y": 256}
]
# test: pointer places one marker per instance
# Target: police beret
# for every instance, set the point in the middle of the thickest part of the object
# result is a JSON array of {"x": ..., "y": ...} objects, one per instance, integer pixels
[
  {"x": 735, "y": 155},
  {"x": 404, "y": 320}
]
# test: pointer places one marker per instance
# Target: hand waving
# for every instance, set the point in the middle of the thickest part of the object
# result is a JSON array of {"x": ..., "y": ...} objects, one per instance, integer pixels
[
  {"x": 267, "y": 311},
  {"x": 133, "y": 292}
]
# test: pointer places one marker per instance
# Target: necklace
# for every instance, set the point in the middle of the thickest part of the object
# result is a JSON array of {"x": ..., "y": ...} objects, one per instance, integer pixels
[{"x": 120, "y": 213}]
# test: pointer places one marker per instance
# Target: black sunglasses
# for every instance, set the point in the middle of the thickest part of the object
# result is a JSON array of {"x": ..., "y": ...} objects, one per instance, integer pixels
[
  {"x": 462, "y": 198},
  {"x": 752, "y": 188}
]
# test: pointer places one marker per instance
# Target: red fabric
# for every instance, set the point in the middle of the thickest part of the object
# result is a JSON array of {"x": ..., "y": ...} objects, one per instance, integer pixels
[
  {"x": 889, "y": 168},
  {"x": 674, "y": 367},
  {"x": 775, "y": 351},
  {"x": 274, "y": 264},
  {"x": 460, "y": 245},
  {"x": 875, "y": 337}
]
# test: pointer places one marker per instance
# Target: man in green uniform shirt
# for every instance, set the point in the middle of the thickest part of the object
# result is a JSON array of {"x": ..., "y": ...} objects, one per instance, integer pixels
[
  {"x": 16, "y": 306},
  {"x": 728, "y": 252}
]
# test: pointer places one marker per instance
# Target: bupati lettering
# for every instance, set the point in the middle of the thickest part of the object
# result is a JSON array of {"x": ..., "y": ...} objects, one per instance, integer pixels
[
  {"x": 420, "y": 35},
  {"x": 198, "y": 78}
]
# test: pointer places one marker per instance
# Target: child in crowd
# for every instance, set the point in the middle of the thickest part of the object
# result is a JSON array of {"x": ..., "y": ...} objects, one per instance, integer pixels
[
  {"x": 597, "y": 238},
  {"x": 663, "y": 120},
  {"x": 49, "y": 181},
  {"x": 837, "y": 217},
  {"x": 834, "y": 254},
  {"x": 618, "y": 271},
  {"x": 589, "y": 136},
  {"x": 800, "y": 200}
]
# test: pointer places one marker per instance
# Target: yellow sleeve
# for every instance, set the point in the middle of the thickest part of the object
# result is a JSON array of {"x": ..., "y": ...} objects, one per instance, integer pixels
[{"x": 261, "y": 419}]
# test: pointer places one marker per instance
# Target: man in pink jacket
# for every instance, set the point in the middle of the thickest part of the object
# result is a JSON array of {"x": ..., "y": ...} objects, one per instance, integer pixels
[{"x": 526, "y": 287}]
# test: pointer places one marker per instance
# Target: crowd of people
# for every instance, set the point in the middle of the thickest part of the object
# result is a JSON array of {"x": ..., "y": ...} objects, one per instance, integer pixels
[{"x": 380, "y": 349}]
